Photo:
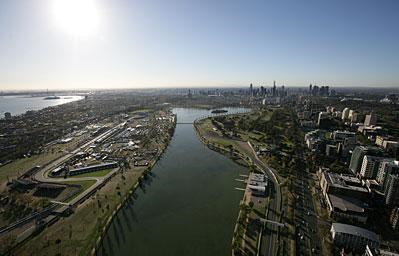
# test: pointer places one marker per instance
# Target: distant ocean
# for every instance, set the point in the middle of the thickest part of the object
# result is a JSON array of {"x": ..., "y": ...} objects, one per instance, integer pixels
[{"x": 18, "y": 105}]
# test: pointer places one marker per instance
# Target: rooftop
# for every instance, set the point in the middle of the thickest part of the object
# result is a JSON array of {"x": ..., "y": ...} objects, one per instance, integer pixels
[
  {"x": 347, "y": 204},
  {"x": 344, "y": 181},
  {"x": 354, "y": 230}
]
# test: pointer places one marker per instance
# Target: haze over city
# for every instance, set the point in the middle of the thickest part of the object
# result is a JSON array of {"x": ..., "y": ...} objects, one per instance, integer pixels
[
  {"x": 182, "y": 127},
  {"x": 140, "y": 44}
]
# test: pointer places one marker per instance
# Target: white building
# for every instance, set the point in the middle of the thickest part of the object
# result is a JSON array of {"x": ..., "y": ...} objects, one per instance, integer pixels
[
  {"x": 370, "y": 166},
  {"x": 345, "y": 113},
  {"x": 351, "y": 113},
  {"x": 257, "y": 184}
]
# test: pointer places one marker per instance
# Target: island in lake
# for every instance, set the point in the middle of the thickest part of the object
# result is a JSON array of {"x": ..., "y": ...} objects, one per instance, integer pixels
[{"x": 219, "y": 111}]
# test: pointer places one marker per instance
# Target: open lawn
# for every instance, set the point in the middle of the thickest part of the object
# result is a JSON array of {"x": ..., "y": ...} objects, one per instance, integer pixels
[
  {"x": 77, "y": 233},
  {"x": 20, "y": 166},
  {"x": 93, "y": 174},
  {"x": 85, "y": 184}
]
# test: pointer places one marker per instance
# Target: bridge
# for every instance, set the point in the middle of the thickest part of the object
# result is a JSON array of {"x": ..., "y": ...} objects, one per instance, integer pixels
[
  {"x": 271, "y": 222},
  {"x": 184, "y": 123},
  {"x": 60, "y": 203}
]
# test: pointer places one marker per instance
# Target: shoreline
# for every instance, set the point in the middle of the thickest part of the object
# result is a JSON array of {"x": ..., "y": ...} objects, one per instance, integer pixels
[
  {"x": 228, "y": 154},
  {"x": 128, "y": 195},
  {"x": 68, "y": 98},
  {"x": 95, "y": 237}
]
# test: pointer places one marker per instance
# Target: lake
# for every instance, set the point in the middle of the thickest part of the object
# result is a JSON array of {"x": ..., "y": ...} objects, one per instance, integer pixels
[
  {"x": 18, "y": 105},
  {"x": 190, "y": 207}
]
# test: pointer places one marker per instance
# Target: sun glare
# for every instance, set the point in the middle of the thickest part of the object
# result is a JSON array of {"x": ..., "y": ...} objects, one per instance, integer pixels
[{"x": 79, "y": 18}]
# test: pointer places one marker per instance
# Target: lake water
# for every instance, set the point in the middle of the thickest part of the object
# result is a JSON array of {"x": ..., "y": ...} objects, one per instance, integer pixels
[
  {"x": 17, "y": 105},
  {"x": 190, "y": 207}
]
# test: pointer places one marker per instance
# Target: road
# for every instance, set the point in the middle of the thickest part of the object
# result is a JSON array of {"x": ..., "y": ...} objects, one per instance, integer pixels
[
  {"x": 269, "y": 240},
  {"x": 305, "y": 218},
  {"x": 42, "y": 175}
]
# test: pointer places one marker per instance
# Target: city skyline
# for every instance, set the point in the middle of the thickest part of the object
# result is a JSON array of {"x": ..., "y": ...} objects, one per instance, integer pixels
[{"x": 118, "y": 44}]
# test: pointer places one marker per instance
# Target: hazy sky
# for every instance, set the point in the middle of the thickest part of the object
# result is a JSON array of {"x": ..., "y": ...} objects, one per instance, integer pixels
[{"x": 132, "y": 43}]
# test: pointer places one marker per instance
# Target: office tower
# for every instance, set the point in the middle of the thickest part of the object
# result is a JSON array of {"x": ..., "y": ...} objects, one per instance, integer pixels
[{"x": 370, "y": 120}]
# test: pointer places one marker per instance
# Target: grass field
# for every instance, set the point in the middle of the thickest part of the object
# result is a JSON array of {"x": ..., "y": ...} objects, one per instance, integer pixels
[
  {"x": 93, "y": 174},
  {"x": 20, "y": 166},
  {"x": 76, "y": 234},
  {"x": 85, "y": 184}
]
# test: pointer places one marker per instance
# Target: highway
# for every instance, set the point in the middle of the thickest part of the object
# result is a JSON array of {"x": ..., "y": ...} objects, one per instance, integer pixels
[
  {"x": 307, "y": 241},
  {"x": 269, "y": 240}
]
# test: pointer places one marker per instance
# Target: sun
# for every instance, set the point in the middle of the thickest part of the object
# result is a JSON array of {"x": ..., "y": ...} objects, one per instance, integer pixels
[{"x": 80, "y": 18}]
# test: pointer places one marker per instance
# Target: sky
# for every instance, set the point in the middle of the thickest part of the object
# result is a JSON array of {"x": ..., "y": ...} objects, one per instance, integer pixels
[{"x": 181, "y": 43}]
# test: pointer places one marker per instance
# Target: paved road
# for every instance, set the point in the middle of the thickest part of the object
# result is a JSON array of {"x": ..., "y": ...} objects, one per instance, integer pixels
[
  {"x": 307, "y": 241},
  {"x": 269, "y": 240}
]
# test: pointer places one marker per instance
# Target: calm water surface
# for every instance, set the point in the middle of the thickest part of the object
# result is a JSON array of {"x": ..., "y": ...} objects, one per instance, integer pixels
[
  {"x": 190, "y": 206},
  {"x": 17, "y": 105}
]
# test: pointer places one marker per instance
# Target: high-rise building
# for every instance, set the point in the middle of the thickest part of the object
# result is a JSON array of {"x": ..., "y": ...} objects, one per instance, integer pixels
[
  {"x": 351, "y": 113},
  {"x": 370, "y": 120},
  {"x": 391, "y": 191},
  {"x": 322, "y": 116},
  {"x": 345, "y": 113},
  {"x": 251, "y": 90},
  {"x": 262, "y": 91},
  {"x": 394, "y": 218},
  {"x": 355, "y": 117},
  {"x": 274, "y": 88},
  {"x": 7, "y": 115},
  {"x": 386, "y": 167},
  {"x": 369, "y": 167},
  {"x": 358, "y": 154},
  {"x": 330, "y": 109}
]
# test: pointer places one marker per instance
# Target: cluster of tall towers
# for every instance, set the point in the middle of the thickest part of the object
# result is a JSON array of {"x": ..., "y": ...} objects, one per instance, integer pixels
[
  {"x": 263, "y": 91},
  {"x": 319, "y": 91}
]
